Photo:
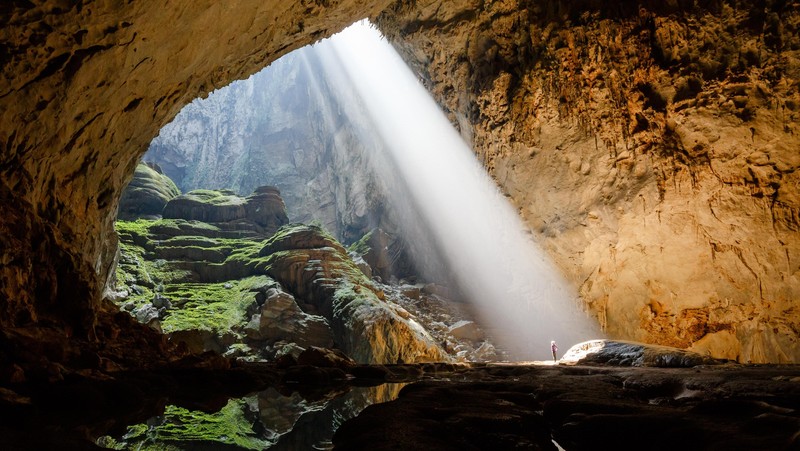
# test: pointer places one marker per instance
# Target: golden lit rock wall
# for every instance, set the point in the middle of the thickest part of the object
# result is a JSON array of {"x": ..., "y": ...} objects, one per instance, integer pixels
[{"x": 653, "y": 146}]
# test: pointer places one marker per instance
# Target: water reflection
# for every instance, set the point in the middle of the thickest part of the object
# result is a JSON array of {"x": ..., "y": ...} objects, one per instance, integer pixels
[{"x": 269, "y": 419}]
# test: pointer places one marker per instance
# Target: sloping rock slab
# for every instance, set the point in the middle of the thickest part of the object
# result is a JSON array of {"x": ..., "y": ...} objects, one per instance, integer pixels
[
  {"x": 317, "y": 270},
  {"x": 628, "y": 353}
]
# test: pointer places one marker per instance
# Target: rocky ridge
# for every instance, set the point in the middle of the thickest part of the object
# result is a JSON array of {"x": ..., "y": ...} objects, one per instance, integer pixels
[{"x": 214, "y": 276}]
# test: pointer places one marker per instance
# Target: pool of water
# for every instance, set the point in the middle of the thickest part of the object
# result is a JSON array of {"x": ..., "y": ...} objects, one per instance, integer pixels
[{"x": 269, "y": 419}]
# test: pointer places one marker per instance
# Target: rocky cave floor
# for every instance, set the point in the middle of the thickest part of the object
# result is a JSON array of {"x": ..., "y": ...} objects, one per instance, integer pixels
[
  {"x": 229, "y": 314},
  {"x": 448, "y": 406}
]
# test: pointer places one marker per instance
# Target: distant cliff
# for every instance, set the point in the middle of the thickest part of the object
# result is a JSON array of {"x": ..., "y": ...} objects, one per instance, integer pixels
[{"x": 283, "y": 127}]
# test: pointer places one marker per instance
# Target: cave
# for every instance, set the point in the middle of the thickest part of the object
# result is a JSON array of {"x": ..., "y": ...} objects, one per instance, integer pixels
[{"x": 651, "y": 146}]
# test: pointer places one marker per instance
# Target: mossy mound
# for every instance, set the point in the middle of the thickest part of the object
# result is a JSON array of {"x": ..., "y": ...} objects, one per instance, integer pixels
[
  {"x": 179, "y": 428},
  {"x": 147, "y": 193},
  {"x": 233, "y": 295},
  {"x": 262, "y": 212},
  {"x": 207, "y": 206},
  {"x": 214, "y": 307}
]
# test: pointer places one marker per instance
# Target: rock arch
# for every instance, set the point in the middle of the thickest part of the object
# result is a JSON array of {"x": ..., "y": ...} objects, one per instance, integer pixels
[{"x": 86, "y": 87}]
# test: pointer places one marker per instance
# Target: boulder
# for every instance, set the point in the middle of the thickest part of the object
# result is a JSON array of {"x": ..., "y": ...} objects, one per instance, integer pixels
[
  {"x": 280, "y": 318},
  {"x": 628, "y": 353},
  {"x": 146, "y": 313},
  {"x": 265, "y": 207},
  {"x": 466, "y": 330},
  {"x": 147, "y": 193},
  {"x": 206, "y": 206}
]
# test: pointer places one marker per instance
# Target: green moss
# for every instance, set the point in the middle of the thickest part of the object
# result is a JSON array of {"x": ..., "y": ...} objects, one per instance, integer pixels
[
  {"x": 133, "y": 231},
  {"x": 215, "y": 197},
  {"x": 210, "y": 306},
  {"x": 231, "y": 426},
  {"x": 148, "y": 178},
  {"x": 247, "y": 255},
  {"x": 361, "y": 247}
]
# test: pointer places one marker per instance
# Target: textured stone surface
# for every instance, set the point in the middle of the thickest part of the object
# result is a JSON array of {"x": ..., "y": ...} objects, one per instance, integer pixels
[
  {"x": 85, "y": 87},
  {"x": 147, "y": 193},
  {"x": 626, "y": 353},
  {"x": 325, "y": 281},
  {"x": 264, "y": 208},
  {"x": 586, "y": 408},
  {"x": 280, "y": 318},
  {"x": 651, "y": 145}
]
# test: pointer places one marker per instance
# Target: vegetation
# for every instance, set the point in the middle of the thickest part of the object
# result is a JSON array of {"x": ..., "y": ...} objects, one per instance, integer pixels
[
  {"x": 215, "y": 307},
  {"x": 149, "y": 179},
  {"x": 215, "y": 197},
  {"x": 179, "y": 428},
  {"x": 361, "y": 247}
]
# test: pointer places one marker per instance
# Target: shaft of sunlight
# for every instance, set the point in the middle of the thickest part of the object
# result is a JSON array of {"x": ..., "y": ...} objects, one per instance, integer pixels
[{"x": 516, "y": 289}]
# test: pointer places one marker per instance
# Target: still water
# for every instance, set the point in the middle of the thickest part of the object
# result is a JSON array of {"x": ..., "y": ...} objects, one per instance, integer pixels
[{"x": 265, "y": 420}]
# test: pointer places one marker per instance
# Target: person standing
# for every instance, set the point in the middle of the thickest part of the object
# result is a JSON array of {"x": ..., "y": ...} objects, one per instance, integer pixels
[{"x": 554, "y": 350}]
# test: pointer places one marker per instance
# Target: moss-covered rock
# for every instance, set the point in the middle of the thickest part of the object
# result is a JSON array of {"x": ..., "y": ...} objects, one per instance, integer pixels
[
  {"x": 299, "y": 286},
  {"x": 179, "y": 428},
  {"x": 310, "y": 263},
  {"x": 207, "y": 206},
  {"x": 262, "y": 212},
  {"x": 147, "y": 193}
]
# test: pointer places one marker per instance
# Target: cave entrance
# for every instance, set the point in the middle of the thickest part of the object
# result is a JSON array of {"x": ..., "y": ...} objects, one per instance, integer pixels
[{"x": 351, "y": 142}]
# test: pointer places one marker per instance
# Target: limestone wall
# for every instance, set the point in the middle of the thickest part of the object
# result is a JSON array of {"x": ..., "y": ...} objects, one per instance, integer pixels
[{"x": 653, "y": 146}]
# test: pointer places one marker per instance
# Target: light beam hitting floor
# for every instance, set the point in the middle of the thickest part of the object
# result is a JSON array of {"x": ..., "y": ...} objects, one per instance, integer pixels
[{"x": 522, "y": 296}]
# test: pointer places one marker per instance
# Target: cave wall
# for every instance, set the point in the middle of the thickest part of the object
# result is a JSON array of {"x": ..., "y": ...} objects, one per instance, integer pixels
[
  {"x": 653, "y": 146},
  {"x": 86, "y": 86}
]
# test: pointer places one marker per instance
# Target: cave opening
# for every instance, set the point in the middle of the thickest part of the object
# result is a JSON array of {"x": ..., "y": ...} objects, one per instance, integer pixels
[
  {"x": 675, "y": 209},
  {"x": 367, "y": 155},
  {"x": 358, "y": 149}
]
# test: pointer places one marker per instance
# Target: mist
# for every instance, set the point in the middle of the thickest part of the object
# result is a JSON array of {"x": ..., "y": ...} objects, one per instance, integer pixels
[{"x": 458, "y": 210}]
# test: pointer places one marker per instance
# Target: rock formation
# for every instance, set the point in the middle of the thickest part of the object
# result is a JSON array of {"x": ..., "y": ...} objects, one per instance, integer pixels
[
  {"x": 262, "y": 210},
  {"x": 86, "y": 86},
  {"x": 649, "y": 145},
  {"x": 318, "y": 270},
  {"x": 661, "y": 136},
  {"x": 214, "y": 275},
  {"x": 147, "y": 193},
  {"x": 288, "y": 126}
]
